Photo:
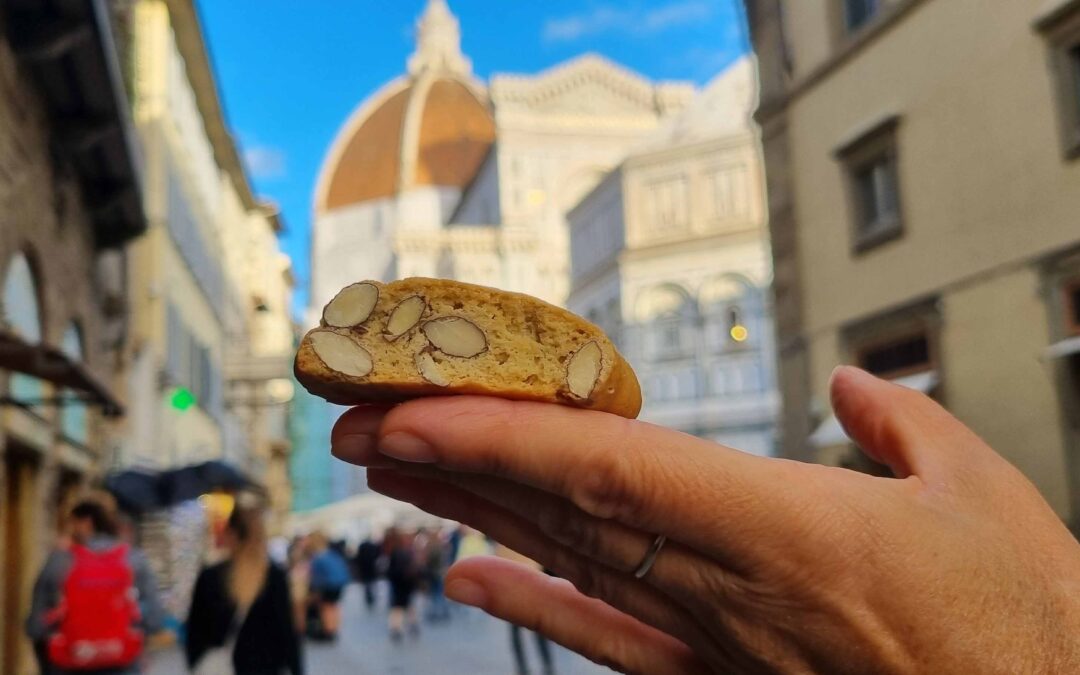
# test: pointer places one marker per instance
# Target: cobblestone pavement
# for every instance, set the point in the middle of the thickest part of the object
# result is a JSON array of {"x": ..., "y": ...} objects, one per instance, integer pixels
[{"x": 471, "y": 643}]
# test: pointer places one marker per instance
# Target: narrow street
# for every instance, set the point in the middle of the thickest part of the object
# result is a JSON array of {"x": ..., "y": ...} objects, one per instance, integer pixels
[{"x": 471, "y": 643}]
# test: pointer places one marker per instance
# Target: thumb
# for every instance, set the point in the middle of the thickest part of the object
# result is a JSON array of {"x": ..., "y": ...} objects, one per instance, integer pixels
[{"x": 904, "y": 429}]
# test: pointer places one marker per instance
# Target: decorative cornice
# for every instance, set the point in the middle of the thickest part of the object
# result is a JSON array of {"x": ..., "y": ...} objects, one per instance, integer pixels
[{"x": 589, "y": 68}]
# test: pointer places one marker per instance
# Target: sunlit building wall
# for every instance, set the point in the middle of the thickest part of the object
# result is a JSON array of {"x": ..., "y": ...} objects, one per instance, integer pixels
[
  {"x": 180, "y": 301},
  {"x": 924, "y": 193},
  {"x": 669, "y": 255}
]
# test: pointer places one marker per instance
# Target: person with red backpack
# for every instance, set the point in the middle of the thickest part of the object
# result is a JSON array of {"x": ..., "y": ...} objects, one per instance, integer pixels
[{"x": 95, "y": 601}]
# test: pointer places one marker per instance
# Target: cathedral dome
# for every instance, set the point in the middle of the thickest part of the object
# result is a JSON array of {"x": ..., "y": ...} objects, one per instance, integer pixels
[{"x": 432, "y": 127}]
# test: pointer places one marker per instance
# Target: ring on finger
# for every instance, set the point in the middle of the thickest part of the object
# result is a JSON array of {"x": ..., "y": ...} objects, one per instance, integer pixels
[{"x": 650, "y": 556}]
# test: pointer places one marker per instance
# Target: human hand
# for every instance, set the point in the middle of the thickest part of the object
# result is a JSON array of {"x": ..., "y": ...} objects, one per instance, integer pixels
[{"x": 955, "y": 565}]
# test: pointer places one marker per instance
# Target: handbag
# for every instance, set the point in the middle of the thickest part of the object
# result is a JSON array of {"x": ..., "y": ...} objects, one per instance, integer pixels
[{"x": 219, "y": 660}]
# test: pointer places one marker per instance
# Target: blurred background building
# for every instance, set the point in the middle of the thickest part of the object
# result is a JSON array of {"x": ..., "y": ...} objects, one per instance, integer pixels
[
  {"x": 211, "y": 336},
  {"x": 439, "y": 175},
  {"x": 69, "y": 190},
  {"x": 145, "y": 311},
  {"x": 924, "y": 201},
  {"x": 670, "y": 256}
]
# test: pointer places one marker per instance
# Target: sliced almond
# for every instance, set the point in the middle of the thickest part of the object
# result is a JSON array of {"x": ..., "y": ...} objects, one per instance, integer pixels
[
  {"x": 429, "y": 370},
  {"x": 583, "y": 370},
  {"x": 455, "y": 336},
  {"x": 352, "y": 305},
  {"x": 404, "y": 316},
  {"x": 341, "y": 353}
]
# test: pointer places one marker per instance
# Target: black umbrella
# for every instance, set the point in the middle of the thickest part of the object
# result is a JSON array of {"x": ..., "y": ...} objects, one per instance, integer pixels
[
  {"x": 222, "y": 476},
  {"x": 135, "y": 490},
  {"x": 189, "y": 482}
]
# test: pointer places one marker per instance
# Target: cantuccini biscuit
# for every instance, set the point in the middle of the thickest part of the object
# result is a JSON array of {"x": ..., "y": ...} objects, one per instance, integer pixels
[{"x": 417, "y": 337}]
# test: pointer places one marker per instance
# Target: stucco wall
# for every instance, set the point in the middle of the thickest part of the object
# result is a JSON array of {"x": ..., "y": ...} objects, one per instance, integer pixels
[{"x": 985, "y": 197}]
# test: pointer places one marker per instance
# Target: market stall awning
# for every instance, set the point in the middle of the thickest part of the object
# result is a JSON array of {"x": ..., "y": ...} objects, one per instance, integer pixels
[
  {"x": 52, "y": 365},
  {"x": 830, "y": 433},
  {"x": 1060, "y": 350}
]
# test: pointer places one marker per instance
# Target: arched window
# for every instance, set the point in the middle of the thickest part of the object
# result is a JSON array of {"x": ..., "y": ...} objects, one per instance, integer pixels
[
  {"x": 72, "y": 413},
  {"x": 21, "y": 315},
  {"x": 20, "y": 310},
  {"x": 668, "y": 315}
]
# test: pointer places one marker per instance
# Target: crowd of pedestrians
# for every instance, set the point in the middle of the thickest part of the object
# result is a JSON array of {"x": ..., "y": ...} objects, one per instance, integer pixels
[
  {"x": 251, "y": 608},
  {"x": 411, "y": 562}
]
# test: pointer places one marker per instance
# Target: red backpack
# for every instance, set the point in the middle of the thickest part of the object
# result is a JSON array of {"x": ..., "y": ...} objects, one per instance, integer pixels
[{"x": 98, "y": 613}]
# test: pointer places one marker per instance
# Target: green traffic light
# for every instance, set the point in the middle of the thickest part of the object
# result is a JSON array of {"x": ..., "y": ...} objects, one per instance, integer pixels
[{"x": 182, "y": 398}]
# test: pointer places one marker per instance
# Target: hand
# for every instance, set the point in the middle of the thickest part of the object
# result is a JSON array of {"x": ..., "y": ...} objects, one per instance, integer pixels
[{"x": 957, "y": 565}]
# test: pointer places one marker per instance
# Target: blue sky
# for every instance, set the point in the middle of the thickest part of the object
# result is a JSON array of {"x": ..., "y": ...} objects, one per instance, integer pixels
[{"x": 290, "y": 72}]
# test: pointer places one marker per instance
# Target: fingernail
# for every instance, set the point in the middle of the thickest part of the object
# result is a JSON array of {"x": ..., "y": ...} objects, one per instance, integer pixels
[
  {"x": 407, "y": 448},
  {"x": 849, "y": 372},
  {"x": 466, "y": 592},
  {"x": 354, "y": 448}
]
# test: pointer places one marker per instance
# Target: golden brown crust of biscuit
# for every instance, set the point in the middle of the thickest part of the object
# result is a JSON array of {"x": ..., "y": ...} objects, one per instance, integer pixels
[{"x": 528, "y": 345}]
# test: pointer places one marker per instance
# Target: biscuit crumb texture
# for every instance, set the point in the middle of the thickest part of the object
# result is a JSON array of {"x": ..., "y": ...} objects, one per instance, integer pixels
[{"x": 435, "y": 337}]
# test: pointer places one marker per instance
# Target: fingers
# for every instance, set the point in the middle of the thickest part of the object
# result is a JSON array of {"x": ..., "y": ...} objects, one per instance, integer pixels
[
  {"x": 554, "y": 608},
  {"x": 607, "y": 542},
  {"x": 354, "y": 436},
  {"x": 904, "y": 429},
  {"x": 618, "y": 590},
  {"x": 653, "y": 479}
]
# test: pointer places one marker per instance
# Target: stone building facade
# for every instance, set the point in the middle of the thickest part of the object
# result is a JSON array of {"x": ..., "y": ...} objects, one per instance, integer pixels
[
  {"x": 438, "y": 174},
  {"x": 69, "y": 201},
  {"x": 924, "y": 193},
  {"x": 670, "y": 256}
]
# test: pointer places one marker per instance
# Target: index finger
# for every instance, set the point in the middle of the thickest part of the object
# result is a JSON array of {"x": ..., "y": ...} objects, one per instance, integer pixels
[{"x": 715, "y": 499}]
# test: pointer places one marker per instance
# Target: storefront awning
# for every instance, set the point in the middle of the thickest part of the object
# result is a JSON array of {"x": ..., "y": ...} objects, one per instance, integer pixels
[
  {"x": 1066, "y": 347},
  {"x": 54, "y": 366},
  {"x": 830, "y": 432}
]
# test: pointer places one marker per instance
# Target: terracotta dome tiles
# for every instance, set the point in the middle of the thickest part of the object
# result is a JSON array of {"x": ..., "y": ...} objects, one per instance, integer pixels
[{"x": 455, "y": 131}]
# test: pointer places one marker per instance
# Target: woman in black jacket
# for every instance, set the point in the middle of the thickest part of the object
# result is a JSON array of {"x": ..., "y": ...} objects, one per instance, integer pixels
[{"x": 243, "y": 605}]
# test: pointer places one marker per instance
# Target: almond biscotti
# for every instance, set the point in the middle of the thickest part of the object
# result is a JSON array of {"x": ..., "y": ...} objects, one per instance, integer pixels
[{"x": 433, "y": 337}]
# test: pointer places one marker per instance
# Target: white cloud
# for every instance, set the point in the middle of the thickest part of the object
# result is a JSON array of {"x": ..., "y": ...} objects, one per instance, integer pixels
[
  {"x": 629, "y": 21},
  {"x": 264, "y": 161}
]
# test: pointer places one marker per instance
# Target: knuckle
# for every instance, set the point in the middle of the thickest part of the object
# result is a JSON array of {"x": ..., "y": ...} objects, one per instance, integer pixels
[
  {"x": 612, "y": 481},
  {"x": 571, "y": 528},
  {"x": 595, "y": 582},
  {"x": 492, "y": 430},
  {"x": 613, "y": 654}
]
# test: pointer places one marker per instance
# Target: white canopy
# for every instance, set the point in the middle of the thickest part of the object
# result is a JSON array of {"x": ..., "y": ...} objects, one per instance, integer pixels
[
  {"x": 830, "y": 432},
  {"x": 355, "y": 517}
]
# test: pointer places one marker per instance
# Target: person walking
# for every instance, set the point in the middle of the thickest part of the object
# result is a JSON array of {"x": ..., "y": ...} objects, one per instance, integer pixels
[
  {"x": 327, "y": 581},
  {"x": 241, "y": 618},
  {"x": 93, "y": 590},
  {"x": 367, "y": 569},
  {"x": 436, "y": 561},
  {"x": 401, "y": 572},
  {"x": 543, "y": 647},
  {"x": 299, "y": 571}
]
